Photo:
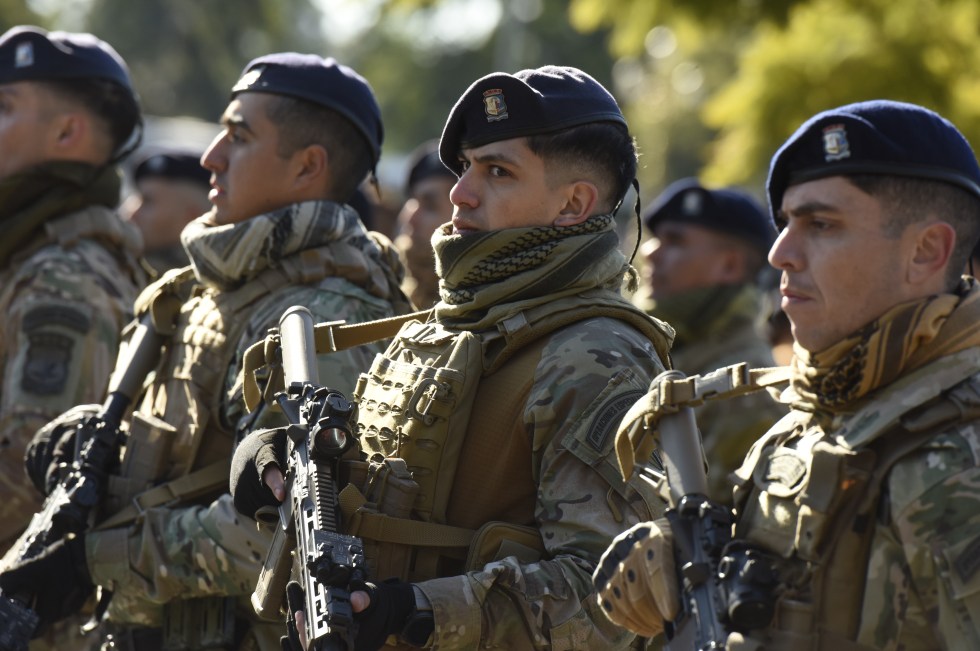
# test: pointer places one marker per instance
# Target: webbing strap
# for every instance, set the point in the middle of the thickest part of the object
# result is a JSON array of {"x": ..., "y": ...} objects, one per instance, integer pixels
[
  {"x": 385, "y": 528},
  {"x": 328, "y": 338},
  {"x": 181, "y": 490},
  {"x": 668, "y": 394}
]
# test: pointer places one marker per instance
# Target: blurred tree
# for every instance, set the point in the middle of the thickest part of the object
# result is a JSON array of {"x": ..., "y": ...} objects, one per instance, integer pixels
[
  {"x": 16, "y": 12},
  {"x": 184, "y": 55}
]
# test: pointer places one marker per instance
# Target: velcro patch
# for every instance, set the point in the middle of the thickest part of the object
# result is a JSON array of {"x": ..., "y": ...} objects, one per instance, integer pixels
[
  {"x": 46, "y": 365},
  {"x": 607, "y": 419}
]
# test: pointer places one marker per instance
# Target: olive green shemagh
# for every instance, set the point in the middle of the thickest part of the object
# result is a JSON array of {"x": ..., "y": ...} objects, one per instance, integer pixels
[{"x": 481, "y": 274}]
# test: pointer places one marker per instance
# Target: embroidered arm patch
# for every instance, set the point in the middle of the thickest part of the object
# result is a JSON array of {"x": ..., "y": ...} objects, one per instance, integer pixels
[{"x": 49, "y": 353}]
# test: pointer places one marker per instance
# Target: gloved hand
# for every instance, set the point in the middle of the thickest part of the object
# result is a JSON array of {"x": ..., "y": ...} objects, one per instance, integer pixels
[
  {"x": 636, "y": 581},
  {"x": 257, "y": 451},
  {"x": 52, "y": 449},
  {"x": 392, "y": 606},
  {"x": 57, "y": 578},
  {"x": 391, "y": 611}
]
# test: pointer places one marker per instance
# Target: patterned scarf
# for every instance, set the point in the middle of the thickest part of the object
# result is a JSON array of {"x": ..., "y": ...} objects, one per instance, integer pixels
[
  {"x": 905, "y": 338},
  {"x": 31, "y": 198},
  {"x": 486, "y": 277},
  {"x": 227, "y": 256}
]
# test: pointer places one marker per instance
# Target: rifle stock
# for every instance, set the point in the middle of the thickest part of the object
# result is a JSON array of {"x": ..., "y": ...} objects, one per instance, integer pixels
[
  {"x": 70, "y": 506},
  {"x": 321, "y": 430}
]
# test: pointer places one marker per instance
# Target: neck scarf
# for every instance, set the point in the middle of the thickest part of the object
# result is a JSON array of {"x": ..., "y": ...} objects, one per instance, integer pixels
[
  {"x": 905, "y": 338},
  {"x": 485, "y": 276},
  {"x": 229, "y": 255},
  {"x": 695, "y": 314},
  {"x": 31, "y": 198}
]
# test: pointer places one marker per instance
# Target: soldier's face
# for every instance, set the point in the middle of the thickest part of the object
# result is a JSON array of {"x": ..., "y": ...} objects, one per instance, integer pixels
[
  {"x": 505, "y": 185},
  {"x": 249, "y": 177},
  {"x": 427, "y": 209},
  {"x": 161, "y": 208},
  {"x": 840, "y": 270},
  {"x": 682, "y": 257},
  {"x": 28, "y": 126}
]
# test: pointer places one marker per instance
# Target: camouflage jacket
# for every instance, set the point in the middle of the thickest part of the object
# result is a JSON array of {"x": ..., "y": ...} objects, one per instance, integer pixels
[
  {"x": 726, "y": 334},
  {"x": 196, "y": 550},
  {"x": 563, "y": 417},
  {"x": 65, "y": 296},
  {"x": 920, "y": 578}
]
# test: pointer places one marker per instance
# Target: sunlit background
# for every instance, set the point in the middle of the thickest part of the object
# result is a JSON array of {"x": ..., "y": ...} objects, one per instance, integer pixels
[{"x": 711, "y": 87}]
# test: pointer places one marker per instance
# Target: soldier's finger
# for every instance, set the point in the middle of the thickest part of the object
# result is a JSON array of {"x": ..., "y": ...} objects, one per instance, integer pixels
[{"x": 272, "y": 477}]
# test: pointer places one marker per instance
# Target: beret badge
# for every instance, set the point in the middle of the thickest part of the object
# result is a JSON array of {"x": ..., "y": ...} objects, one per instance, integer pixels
[
  {"x": 24, "y": 55},
  {"x": 835, "y": 145},
  {"x": 494, "y": 105}
]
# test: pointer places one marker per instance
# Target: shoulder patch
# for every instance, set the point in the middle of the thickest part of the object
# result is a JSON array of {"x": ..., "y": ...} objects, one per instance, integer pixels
[
  {"x": 57, "y": 315},
  {"x": 607, "y": 418},
  {"x": 46, "y": 365}
]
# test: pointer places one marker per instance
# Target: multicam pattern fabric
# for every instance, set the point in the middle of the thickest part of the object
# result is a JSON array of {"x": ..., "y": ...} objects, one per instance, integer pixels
[
  {"x": 586, "y": 376},
  {"x": 66, "y": 291},
  {"x": 199, "y": 550},
  {"x": 716, "y": 328}
]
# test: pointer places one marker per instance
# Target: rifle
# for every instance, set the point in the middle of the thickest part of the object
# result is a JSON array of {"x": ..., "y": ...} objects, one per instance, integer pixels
[
  {"x": 70, "y": 506},
  {"x": 321, "y": 430},
  {"x": 725, "y": 585}
]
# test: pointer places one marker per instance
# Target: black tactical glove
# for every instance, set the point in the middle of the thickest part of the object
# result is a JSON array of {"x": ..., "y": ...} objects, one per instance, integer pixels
[
  {"x": 58, "y": 579},
  {"x": 391, "y": 612},
  {"x": 52, "y": 449},
  {"x": 254, "y": 454}
]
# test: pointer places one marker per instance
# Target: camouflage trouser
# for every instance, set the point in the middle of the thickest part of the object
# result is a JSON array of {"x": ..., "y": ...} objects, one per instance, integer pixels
[{"x": 259, "y": 637}]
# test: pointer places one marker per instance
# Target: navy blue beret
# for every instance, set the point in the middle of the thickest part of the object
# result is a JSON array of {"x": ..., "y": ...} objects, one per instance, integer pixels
[
  {"x": 424, "y": 163},
  {"x": 501, "y": 106},
  {"x": 30, "y": 53},
  {"x": 174, "y": 164},
  {"x": 874, "y": 137},
  {"x": 726, "y": 210},
  {"x": 321, "y": 81}
]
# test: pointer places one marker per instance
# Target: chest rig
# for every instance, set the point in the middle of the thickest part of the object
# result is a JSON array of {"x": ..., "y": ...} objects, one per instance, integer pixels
[
  {"x": 813, "y": 498},
  {"x": 440, "y": 418}
]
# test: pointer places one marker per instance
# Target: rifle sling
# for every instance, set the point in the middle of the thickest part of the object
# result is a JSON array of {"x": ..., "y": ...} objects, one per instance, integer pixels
[{"x": 181, "y": 490}]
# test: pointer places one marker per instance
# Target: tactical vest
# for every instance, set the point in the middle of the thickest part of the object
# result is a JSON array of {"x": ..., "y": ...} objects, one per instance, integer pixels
[
  {"x": 813, "y": 499},
  {"x": 437, "y": 415}
]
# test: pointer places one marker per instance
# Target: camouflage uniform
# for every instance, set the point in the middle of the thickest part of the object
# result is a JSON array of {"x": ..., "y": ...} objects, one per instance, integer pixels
[
  {"x": 206, "y": 549},
  {"x": 921, "y": 587},
  {"x": 550, "y": 437},
  {"x": 716, "y": 327},
  {"x": 67, "y": 287}
]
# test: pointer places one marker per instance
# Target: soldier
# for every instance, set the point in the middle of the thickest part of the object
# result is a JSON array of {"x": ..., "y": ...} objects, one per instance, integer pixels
[
  {"x": 427, "y": 207},
  {"x": 707, "y": 249},
  {"x": 171, "y": 190},
  {"x": 68, "y": 264},
  {"x": 300, "y": 133},
  {"x": 529, "y": 361},
  {"x": 865, "y": 496}
]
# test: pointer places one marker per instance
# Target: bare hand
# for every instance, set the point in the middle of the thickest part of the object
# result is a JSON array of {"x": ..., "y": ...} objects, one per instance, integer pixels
[{"x": 272, "y": 477}]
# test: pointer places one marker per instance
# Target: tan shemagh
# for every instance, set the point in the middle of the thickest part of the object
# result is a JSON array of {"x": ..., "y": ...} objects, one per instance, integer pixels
[{"x": 905, "y": 338}]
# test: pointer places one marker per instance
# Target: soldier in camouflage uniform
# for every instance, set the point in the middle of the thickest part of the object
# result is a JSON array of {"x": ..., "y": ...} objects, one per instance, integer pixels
[
  {"x": 701, "y": 266},
  {"x": 68, "y": 264},
  {"x": 300, "y": 133},
  {"x": 503, "y": 404},
  {"x": 865, "y": 495}
]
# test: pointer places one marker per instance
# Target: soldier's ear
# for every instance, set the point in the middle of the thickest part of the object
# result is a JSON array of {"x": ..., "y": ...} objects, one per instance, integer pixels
[
  {"x": 311, "y": 164},
  {"x": 933, "y": 247},
  {"x": 580, "y": 201}
]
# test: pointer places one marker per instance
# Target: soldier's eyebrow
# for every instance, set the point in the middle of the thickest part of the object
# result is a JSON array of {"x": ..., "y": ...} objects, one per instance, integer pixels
[
  {"x": 235, "y": 120},
  {"x": 808, "y": 209},
  {"x": 494, "y": 158}
]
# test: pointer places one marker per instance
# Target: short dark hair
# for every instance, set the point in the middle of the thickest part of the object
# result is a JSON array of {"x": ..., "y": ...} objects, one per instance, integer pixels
[
  {"x": 597, "y": 149},
  {"x": 114, "y": 106},
  {"x": 910, "y": 200},
  {"x": 302, "y": 123}
]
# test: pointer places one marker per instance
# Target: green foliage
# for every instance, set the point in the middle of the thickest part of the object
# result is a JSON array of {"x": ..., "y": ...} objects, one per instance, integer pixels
[{"x": 833, "y": 52}]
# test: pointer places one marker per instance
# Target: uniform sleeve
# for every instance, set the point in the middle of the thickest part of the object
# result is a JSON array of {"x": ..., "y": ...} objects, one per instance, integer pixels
[
  {"x": 583, "y": 386},
  {"x": 924, "y": 570},
  {"x": 62, "y": 331}
]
